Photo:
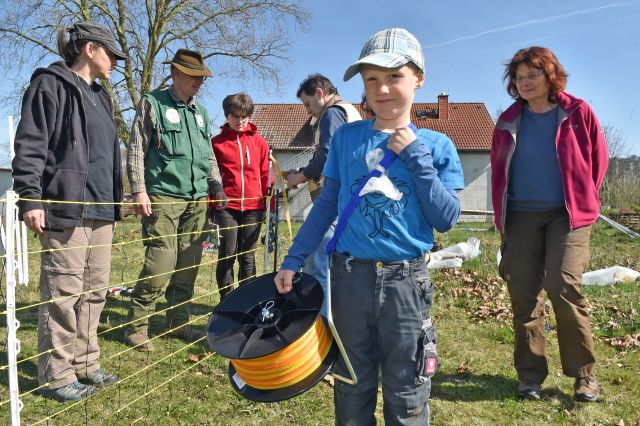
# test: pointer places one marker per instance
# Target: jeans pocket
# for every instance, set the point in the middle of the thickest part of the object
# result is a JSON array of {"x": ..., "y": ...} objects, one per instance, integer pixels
[
  {"x": 426, "y": 355},
  {"x": 423, "y": 286}
]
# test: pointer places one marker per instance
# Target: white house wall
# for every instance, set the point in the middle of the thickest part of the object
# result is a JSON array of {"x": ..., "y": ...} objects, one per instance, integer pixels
[{"x": 476, "y": 195}]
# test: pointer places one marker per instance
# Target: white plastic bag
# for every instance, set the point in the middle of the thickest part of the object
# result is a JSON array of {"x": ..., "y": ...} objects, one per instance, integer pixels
[
  {"x": 608, "y": 276},
  {"x": 453, "y": 256}
]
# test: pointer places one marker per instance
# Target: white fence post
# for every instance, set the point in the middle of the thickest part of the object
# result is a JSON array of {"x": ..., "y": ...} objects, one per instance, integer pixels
[
  {"x": 13, "y": 344},
  {"x": 21, "y": 229}
]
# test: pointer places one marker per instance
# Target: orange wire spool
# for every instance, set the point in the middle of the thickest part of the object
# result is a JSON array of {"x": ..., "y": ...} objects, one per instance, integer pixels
[{"x": 278, "y": 345}]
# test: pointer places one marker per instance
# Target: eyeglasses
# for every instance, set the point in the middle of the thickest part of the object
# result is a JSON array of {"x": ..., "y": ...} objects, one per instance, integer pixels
[{"x": 531, "y": 77}]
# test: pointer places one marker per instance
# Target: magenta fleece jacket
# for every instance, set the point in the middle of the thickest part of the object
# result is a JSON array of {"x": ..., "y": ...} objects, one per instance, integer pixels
[{"x": 582, "y": 156}]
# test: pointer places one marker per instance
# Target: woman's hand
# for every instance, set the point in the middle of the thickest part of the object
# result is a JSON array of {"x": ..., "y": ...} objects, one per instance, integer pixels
[{"x": 34, "y": 219}]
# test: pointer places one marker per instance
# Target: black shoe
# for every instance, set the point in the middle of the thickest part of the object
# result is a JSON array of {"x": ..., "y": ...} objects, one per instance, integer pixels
[
  {"x": 187, "y": 333},
  {"x": 528, "y": 390}
]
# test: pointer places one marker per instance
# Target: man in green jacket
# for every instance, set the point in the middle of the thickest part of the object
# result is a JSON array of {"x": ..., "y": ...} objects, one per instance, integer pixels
[{"x": 171, "y": 167}]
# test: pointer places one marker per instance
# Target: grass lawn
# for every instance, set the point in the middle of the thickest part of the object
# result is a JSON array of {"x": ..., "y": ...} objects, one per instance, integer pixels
[{"x": 181, "y": 384}]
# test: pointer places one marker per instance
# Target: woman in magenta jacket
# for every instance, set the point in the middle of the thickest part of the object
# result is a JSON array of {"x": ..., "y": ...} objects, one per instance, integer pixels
[
  {"x": 243, "y": 159},
  {"x": 548, "y": 161}
]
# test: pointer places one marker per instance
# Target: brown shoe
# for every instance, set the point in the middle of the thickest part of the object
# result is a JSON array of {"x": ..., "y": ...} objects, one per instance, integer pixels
[
  {"x": 586, "y": 389},
  {"x": 187, "y": 333},
  {"x": 138, "y": 340}
]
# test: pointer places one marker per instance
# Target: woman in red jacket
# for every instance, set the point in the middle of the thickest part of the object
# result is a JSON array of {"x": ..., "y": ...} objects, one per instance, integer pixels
[
  {"x": 545, "y": 193},
  {"x": 243, "y": 159}
]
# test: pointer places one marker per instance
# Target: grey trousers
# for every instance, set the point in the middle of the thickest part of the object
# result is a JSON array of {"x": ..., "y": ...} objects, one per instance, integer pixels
[
  {"x": 74, "y": 281},
  {"x": 381, "y": 311}
]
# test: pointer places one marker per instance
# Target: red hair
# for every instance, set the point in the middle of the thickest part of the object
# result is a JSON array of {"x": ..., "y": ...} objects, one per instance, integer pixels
[{"x": 540, "y": 58}]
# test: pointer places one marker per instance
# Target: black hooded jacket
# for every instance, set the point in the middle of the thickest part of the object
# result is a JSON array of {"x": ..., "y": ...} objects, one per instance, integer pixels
[{"x": 52, "y": 150}]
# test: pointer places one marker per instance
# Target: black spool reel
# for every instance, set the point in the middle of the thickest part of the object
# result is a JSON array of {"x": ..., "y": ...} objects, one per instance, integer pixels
[{"x": 255, "y": 320}]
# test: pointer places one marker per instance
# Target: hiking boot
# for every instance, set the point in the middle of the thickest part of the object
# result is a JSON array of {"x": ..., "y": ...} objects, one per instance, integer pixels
[
  {"x": 187, "y": 333},
  {"x": 71, "y": 392},
  {"x": 100, "y": 378},
  {"x": 528, "y": 389},
  {"x": 138, "y": 340},
  {"x": 586, "y": 389}
]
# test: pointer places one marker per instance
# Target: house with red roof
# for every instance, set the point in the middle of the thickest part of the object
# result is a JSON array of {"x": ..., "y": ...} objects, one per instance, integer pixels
[{"x": 287, "y": 128}]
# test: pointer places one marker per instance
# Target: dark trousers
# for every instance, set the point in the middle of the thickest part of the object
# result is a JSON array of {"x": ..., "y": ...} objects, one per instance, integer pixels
[
  {"x": 239, "y": 233},
  {"x": 382, "y": 313},
  {"x": 540, "y": 252}
]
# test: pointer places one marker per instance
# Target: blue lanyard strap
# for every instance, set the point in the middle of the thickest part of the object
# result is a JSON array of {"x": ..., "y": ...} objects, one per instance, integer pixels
[{"x": 389, "y": 157}]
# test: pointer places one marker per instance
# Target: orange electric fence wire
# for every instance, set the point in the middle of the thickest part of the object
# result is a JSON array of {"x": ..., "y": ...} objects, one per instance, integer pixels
[{"x": 290, "y": 364}]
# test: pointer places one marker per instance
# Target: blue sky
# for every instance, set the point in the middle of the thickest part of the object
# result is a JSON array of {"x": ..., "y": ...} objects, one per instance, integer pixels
[{"x": 466, "y": 43}]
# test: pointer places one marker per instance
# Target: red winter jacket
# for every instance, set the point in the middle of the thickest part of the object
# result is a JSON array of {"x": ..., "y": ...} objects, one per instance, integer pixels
[
  {"x": 243, "y": 160},
  {"x": 582, "y": 155}
]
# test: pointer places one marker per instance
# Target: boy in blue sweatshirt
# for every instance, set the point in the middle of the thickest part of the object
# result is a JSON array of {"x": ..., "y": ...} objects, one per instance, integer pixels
[{"x": 380, "y": 286}]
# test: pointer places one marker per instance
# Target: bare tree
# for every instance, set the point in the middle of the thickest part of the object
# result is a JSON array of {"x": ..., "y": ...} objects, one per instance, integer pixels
[
  {"x": 616, "y": 141},
  {"x": 240, "y": 39}
]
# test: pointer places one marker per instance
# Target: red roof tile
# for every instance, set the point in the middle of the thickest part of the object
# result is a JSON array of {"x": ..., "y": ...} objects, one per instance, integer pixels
[{"x": 469, "y": 125}]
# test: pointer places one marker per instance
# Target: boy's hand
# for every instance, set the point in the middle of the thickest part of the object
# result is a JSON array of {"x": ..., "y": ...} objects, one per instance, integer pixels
[
  {"x": 284, "y": 280},
  {"x": 399, "y": 139}
]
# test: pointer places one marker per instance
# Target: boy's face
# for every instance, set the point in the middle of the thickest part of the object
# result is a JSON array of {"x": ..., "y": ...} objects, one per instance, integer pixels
[
  {"x": 237, "y": 121},
  {"x": 389, "y": 92}
]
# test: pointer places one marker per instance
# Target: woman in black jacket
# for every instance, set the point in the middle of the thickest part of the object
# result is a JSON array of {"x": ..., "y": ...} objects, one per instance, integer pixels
[{"x": 67, "y": 149}]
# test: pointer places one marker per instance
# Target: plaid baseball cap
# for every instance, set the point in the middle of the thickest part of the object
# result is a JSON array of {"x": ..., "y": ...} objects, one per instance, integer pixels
[
  {"x": 93, "y": 32},
  {"x": 390, "y": 48}
]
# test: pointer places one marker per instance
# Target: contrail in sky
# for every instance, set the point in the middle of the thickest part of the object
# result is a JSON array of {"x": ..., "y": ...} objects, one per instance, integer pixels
[
  {"x": 546, "y": 37},
  {"x": 530, "y": 22}
]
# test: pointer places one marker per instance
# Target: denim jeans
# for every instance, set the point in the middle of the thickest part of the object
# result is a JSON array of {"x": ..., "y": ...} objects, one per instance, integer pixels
[
  {"x": 317, "y": 264},
  {"x": 382, "y": 313}
]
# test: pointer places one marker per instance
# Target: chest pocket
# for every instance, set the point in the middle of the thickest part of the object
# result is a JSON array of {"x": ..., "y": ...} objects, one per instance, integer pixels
[
  {"x": 172, "y": 137},
  {"x": 203, "y": 143}
]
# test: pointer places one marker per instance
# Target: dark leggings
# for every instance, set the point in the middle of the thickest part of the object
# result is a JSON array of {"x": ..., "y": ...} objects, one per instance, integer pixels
[{"x": 239, "y": 233}]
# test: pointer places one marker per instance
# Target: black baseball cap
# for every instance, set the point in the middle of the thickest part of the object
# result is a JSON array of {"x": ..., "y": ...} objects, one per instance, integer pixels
[{"x": 91, "y": 31}]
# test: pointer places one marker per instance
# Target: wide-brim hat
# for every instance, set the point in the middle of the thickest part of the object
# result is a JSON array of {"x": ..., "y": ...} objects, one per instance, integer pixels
[
  {"x": 91, "y": 31},
  {"x": 390, "y": 48},
  {"x": 190, "y": 62}
]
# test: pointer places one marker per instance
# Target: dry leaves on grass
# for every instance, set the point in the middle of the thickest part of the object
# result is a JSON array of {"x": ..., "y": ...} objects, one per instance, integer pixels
[
  {"x": 626, "y": 342},
  {"x": 463, "y": 368},
  {"x": 621, "y": 423},
  {"x": 491, "y": 292}
]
